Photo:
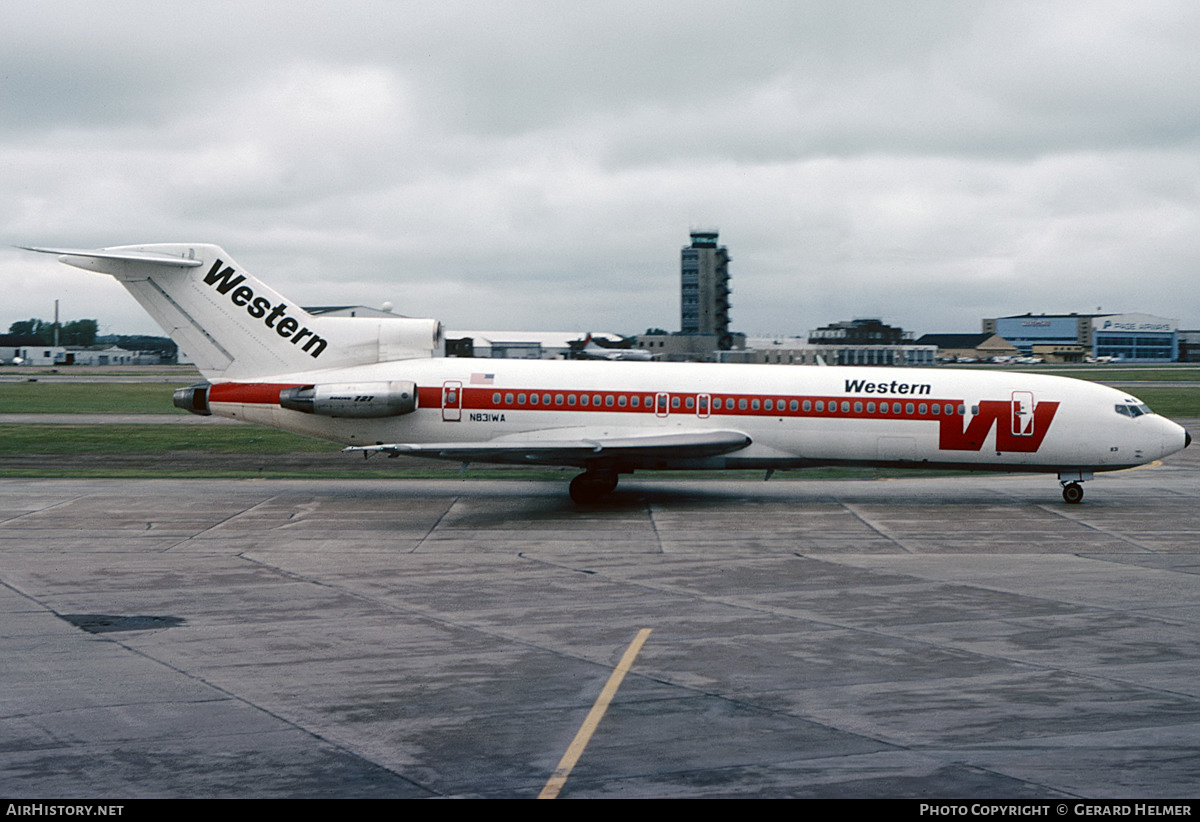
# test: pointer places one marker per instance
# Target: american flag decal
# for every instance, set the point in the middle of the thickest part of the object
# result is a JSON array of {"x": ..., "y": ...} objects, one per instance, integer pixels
[{"x": 482, "y": 379}]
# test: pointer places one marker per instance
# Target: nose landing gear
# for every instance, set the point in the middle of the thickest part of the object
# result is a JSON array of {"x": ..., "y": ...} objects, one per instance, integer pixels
[{"x": 1072, "y": 491}]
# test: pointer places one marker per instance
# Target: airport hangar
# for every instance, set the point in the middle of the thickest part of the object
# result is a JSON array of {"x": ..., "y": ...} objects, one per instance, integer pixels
[{"x": 1125, "y": 337}]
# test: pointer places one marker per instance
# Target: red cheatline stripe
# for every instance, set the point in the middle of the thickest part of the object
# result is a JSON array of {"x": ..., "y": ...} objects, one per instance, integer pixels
[
  {"x": 255, "y": 393},
  {"x": 475, "y": 398}
]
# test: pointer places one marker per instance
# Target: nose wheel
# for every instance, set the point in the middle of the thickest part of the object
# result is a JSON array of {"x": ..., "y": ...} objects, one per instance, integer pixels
[
  {"x": 1072, "y": 493},
  {"x": 1070, "y": 481}
]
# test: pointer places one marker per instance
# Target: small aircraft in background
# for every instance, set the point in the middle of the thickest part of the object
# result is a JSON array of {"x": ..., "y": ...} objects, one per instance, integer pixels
[
  {"x": 591, "y": 348},
  {"x": 382, "y": 385}
]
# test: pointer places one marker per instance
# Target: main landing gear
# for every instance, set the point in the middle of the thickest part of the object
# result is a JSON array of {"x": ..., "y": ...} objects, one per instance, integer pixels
[
  {"x": 1071, "y": 489},
  {"x": 592, "y": 485}
]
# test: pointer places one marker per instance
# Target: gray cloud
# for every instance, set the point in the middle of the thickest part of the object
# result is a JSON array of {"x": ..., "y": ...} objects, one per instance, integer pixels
[{"x": 538, "y": 165}]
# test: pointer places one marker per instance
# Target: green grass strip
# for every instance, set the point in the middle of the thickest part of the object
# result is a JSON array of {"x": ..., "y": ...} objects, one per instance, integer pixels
[
  {"x": 88, "y": 398},
  {"x": 152, "y": 439}
]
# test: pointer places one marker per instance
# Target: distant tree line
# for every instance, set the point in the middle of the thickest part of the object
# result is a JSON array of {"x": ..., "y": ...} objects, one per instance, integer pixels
[
  {"x": 82, "y": 334},
  {"x": 77, "y": 332}
]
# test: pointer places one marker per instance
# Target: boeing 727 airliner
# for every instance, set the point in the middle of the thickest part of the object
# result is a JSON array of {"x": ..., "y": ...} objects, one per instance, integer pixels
[{"x": 382, "y": 385}]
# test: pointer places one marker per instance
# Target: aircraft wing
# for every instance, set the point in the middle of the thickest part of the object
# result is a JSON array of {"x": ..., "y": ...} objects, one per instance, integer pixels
[{"x": 575, "y": 446}]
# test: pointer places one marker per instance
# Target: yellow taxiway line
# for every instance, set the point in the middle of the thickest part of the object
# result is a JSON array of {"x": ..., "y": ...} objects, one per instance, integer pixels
[{"x": 584, "y": 735}]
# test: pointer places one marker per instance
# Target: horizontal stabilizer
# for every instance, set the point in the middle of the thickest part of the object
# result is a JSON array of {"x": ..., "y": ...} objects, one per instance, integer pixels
[{"x": 117, "y": 254}]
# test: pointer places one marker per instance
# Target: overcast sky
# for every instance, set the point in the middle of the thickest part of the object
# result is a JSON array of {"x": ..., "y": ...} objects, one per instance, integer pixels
[{"x": 539, "y": 165}]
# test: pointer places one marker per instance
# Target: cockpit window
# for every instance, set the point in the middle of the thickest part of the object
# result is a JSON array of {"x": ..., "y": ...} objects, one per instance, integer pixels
[{"x": 1132, "y": 409}]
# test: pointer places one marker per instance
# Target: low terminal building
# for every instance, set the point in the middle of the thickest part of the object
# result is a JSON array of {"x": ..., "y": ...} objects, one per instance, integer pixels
[
  {"x": 112, "y": 355},
  {"x": 16, "y": 348},
  {"x": 36, "y": 353},
  {"x": 679, "y": 347},
  {"x": 867, "y": 341},
  {"x": 39, "y": 354},
  {"x": 865, "y": 331},
  {"x": 799, "y": 351},
  {"x": 522, "y": 345}
]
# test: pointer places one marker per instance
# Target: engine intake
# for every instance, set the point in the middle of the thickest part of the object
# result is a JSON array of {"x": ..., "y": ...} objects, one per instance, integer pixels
[{"x": 352, "y": 399}]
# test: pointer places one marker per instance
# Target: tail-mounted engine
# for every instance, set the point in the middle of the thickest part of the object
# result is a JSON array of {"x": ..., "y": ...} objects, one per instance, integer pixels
[
  {"x": 352, "y": 399},
  {"x": 194, "y": 398}
]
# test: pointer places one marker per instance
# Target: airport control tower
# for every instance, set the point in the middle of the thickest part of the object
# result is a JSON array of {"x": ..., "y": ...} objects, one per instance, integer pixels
[{"x": 705, "y": 288}]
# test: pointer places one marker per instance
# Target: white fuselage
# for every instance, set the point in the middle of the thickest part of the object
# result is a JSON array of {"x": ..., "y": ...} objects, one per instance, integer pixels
[{"x": 794, "y": 415}]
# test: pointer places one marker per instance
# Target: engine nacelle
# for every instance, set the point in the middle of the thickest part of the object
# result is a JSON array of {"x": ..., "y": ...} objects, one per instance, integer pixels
[
  {"x": 194, "y": 398},
  {"x": 352, "y": 399}
]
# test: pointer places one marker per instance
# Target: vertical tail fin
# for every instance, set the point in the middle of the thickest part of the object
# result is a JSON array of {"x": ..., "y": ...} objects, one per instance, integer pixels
[{"x": 233, "y": 326}]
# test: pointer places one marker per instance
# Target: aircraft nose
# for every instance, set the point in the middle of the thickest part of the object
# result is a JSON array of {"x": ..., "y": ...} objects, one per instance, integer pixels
[{"x": 1171, "y": 439}]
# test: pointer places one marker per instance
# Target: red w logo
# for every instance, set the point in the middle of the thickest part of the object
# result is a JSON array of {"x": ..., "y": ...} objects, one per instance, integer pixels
[{"x": 1020, "y": 425}]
